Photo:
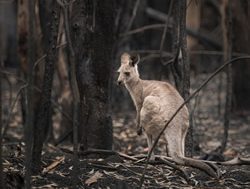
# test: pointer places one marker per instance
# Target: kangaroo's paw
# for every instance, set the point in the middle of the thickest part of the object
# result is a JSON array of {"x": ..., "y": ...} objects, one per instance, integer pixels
[
  {"x": 152, "y": 157},
  {"x": 139, "y": 130}
]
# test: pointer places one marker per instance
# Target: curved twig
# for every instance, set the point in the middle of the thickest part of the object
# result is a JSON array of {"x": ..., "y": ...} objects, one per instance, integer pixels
[
  {"x": 137, "y": 3},
  {"x": 5, "y": 127},
  {"x": 141, "y": 29}
]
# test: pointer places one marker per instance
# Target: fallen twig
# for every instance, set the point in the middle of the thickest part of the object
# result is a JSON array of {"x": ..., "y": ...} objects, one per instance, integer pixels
[
  {"x": 53, "y": 165},
  {"x": 236, "y": 161}
]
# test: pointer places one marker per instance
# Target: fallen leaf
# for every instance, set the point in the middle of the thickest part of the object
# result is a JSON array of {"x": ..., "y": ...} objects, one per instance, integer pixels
[
  {"x": 53, "y": 165},
  {"x": 53, "y": 185},
  {"x": 115, "y": 175},
  {"x": 94, "y": 178}
]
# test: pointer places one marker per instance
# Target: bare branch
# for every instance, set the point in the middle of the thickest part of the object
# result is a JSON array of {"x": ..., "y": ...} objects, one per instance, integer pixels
[
  {"x": 5, "y": 127},
  {"x": 54, "y": 103},
  {"x": 165, "y": 29},
  {"x": 236, "y": 161},
  {"x": 205, "y": 39},
  {"x": 141, "y": 29},
  {"x": 137, "y": 3},
  {"x": 159, "y": 15}
]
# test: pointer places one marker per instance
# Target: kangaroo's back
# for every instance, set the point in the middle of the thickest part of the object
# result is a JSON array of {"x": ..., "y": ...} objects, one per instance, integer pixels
[{"x": 161, "y": 100}]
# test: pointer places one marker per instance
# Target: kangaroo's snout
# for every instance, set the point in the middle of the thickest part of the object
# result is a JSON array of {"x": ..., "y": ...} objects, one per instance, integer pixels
[{"x": 119, "y": 83}]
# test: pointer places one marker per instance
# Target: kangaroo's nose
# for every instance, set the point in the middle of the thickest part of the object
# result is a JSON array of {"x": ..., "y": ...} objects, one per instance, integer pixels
[{"x": 119, "y": 82}]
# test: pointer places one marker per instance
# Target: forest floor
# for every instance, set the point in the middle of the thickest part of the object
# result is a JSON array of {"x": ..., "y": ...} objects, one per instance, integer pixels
[{"x": 116, "y": 170}]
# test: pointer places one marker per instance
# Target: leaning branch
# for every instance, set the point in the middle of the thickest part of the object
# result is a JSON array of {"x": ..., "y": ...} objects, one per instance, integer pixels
[
  {"x": 137, "y": 3},
  {"x": 183, "y": 104},
  {"x": 204, "y": 39}
]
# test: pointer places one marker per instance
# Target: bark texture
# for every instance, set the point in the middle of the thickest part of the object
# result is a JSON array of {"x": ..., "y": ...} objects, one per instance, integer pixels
[
  {"x": 181, "y": 66},
  {"x": 226, "y": 22},
  {"x": 29, "y": 95},
  {"x": 92, "y": 37},
  {"x": 1, "y": 162},
  {"x": 44, "y": 113},
  {"x": 241, "y": 70}
]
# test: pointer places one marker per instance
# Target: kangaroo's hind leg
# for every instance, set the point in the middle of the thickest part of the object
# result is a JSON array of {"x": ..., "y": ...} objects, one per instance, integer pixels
[{"x": 150, "y": 144}]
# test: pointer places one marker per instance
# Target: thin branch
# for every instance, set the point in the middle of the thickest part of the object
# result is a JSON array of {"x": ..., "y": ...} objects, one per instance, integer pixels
[
  {"x": 5, "y": 127},
  {"x": 236, "y": 161},
  {"x": 176, "y": 167},
  {"x": 10, "y": 88},
  {"x": 39, "y": 60},
  {"x": 219, "y": 53},
  {"x": 6, "y": 1},
  {"x": 14, "y": 75},
  {"x": 54, "y": 103},
  {"x": 142, "y": 29},
  {"x": 182, "y": 105},
  {"x": 152, "y": 56},
  {"x": 165, "y": 53},
  {"x": 63, "y": 137},
  {"x": 137, "y": 3},
  {"x": 204, "y": 39},
  {"x": 165, "y": 29},
  {"x": 158, "y": 15}
]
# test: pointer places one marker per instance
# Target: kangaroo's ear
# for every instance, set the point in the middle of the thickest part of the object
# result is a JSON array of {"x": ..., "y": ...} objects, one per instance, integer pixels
[{"x": 135, "y": 59}]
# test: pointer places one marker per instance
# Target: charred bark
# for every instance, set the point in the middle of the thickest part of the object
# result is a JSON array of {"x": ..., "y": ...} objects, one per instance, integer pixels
[
  {"x": 92, "y": 37},
  {"x": 29, "y": 101},
  {"x": 181, "y": 66},
  {"x": 43, "y": 116},
  {"x": 241, "y": 71},
  {"x": 226, "y": 22},
  {"x": 1, "y": 162}
]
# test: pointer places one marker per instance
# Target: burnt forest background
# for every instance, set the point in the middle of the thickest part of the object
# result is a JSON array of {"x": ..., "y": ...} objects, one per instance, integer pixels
[{"x": 66, "y": 124}]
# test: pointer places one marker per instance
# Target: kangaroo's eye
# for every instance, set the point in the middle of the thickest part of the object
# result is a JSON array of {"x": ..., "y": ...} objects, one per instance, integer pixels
[{"x": 127, "y": 73}]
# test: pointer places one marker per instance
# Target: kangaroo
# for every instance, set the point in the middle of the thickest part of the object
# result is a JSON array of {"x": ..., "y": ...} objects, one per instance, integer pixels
[{"x": 156, "y": 102}]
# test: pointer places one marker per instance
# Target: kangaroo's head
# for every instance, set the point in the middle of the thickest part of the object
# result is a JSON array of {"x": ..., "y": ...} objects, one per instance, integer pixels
[{"x": 128, "y": 70}]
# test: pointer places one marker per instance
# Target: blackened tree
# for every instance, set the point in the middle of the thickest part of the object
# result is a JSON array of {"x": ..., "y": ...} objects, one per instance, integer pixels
[{"x": 92, "y": 34}]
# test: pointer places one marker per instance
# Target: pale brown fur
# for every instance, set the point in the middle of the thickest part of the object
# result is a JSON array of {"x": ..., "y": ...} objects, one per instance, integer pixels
[{"x": 155, "y": 103}]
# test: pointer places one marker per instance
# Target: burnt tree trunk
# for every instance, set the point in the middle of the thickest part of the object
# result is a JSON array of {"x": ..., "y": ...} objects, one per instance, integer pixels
[
  {"x": 1, "y": 162},
  {"x": 226, "y": 22},
  {"x": 43, "y": 116},
  {"x": 92, "y": 37},
  {"x": 181, "y": 67},
  {"x": 29, "y": 101},
  {"x": 241, "y": 70}
]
